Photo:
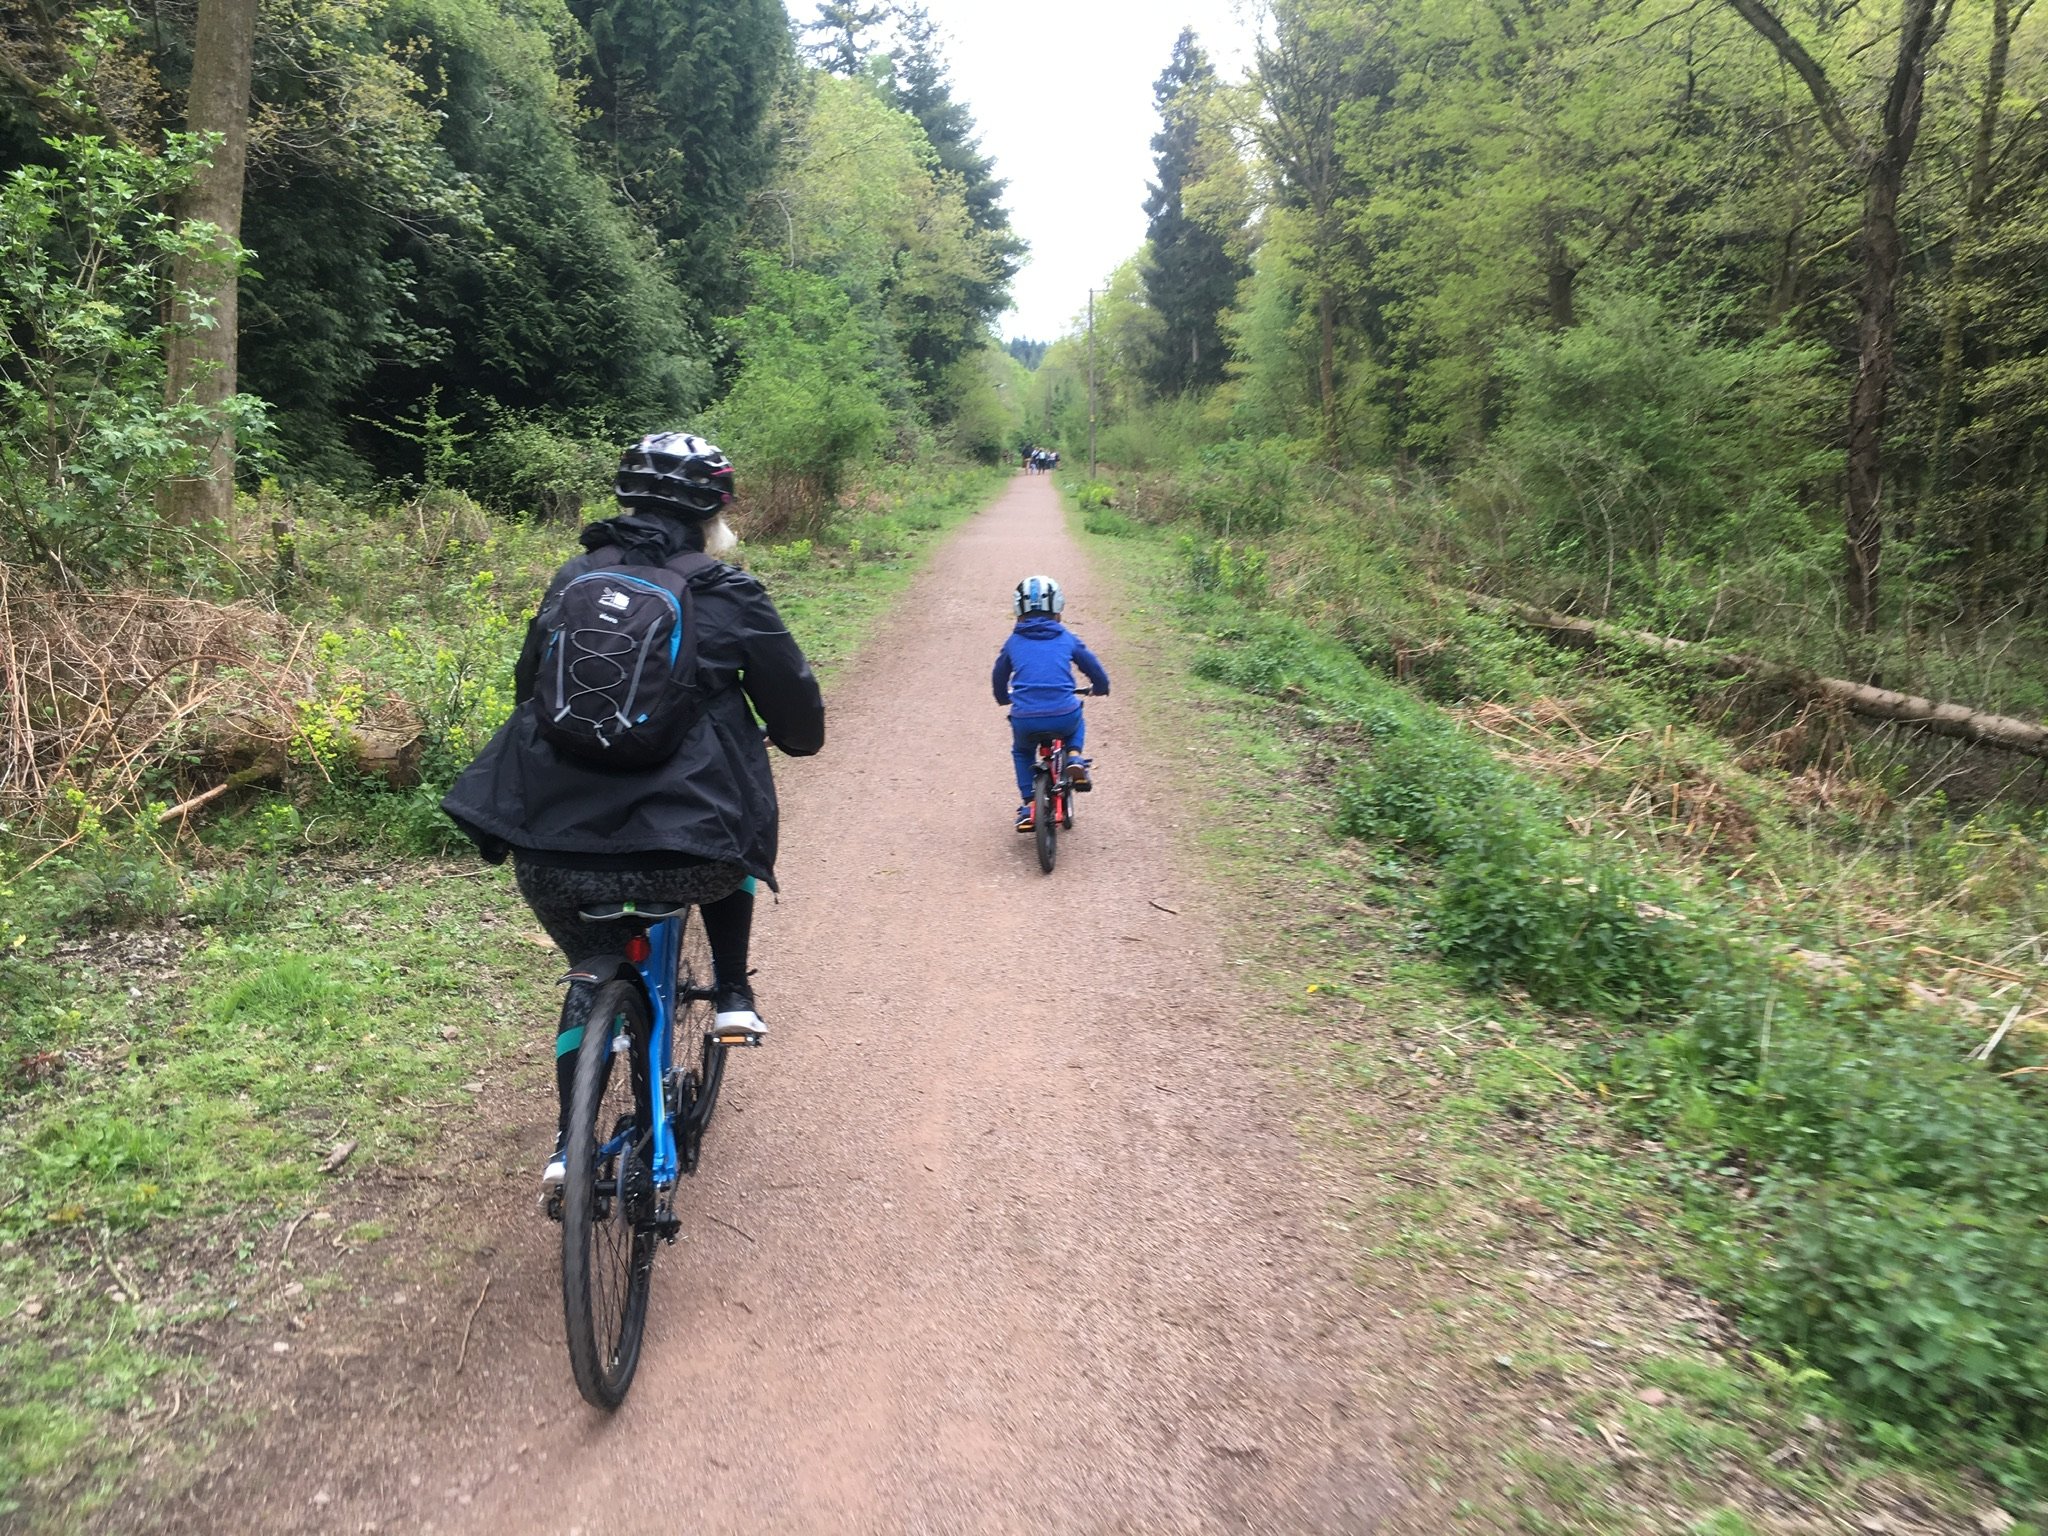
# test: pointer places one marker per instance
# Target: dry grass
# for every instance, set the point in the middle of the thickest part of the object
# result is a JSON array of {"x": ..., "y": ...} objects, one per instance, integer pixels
[{"x": 103, "y": 691}]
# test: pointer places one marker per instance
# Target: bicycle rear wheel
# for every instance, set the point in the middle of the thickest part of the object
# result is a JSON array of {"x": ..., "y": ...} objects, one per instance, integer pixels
[
  {"x": 1042, "y": 823},
  {"x": 608, "y": 1198}
]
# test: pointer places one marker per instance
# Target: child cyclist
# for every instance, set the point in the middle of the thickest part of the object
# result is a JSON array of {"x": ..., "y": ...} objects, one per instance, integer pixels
[{"x": 1034, "y": 675}]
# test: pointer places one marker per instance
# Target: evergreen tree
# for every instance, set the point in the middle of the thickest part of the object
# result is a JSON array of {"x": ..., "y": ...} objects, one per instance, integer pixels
[
  {"x": 920, "y": 88},
  {"x": 843, "y": 30},
  {"x": 1191, "y": 275},
  {"x": 682, "y": 90}
]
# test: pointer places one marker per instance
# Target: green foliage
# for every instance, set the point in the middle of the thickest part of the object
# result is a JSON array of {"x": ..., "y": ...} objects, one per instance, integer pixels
[
  {"x": 804, "y": 409},
  {"x": 985, "y": 389},
  {"x": 542, "y": 466},
  {"x": 681, "y": 91},
  {"x": 1217, "y": 565},
  {"x": 1193, "y": 266},
  {"x": 1891, "y": 1238},
  {"x": 1636, "y": 442},
  {"x": 86, "y": 252},
  {"x": 1241, "y": 487}
]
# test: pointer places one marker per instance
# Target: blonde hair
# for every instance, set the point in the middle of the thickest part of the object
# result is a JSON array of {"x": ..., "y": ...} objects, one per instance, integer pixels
[{"x": 719, "y": 539}]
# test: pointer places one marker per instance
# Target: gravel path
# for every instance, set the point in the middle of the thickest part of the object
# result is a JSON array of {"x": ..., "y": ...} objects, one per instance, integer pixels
[{"x": 999, "y": 1234}]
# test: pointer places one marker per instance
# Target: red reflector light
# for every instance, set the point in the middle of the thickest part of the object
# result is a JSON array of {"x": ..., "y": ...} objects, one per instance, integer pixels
[{"x": 638, "y": 949}]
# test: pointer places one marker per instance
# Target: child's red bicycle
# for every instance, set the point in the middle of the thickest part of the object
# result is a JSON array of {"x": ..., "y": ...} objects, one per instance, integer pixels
[{"x": 1053, "y": 788}]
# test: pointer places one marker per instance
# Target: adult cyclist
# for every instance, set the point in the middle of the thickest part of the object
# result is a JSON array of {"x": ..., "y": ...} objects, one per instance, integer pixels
[{"x": 699, "y": 827}]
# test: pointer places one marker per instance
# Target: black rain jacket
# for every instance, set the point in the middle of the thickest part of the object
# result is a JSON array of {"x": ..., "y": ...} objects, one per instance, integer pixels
[{"x": 714, "y": 799}]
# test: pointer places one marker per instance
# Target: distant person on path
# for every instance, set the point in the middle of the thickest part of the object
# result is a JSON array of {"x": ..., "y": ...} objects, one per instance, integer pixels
[
  {"x": 1034, "y": 676},
  {"x": 699, "y": 824}
]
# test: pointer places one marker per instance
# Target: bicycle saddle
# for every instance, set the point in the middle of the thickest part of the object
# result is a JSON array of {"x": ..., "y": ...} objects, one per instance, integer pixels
[{"x": 642, "y": 911}]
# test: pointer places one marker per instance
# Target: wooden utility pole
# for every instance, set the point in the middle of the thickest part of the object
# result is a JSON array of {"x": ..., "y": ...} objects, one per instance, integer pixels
[
  {"x": 1091, "y": 383},
  {"x": 201, "y": 357}
]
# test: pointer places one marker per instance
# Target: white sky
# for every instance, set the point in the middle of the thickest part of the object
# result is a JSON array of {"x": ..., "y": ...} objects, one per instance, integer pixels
[{"x": 1061, "y": 91}]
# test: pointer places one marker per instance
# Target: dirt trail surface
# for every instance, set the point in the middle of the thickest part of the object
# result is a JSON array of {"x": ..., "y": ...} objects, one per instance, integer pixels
[{"x": 1001, "y": 1233}]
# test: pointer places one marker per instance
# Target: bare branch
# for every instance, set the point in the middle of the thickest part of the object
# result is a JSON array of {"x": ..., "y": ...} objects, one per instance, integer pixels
[{"x": 1803, "y": 64}]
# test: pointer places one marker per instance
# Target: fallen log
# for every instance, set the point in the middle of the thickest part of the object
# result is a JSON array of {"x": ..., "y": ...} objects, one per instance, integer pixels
[
  {"x": 393, "y": 756},
  {"x": 2005, "y": 732}
]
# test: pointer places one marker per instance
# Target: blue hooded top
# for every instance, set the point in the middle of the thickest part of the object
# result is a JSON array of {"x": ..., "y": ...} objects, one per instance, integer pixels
[{"x": 1034, "y": 672}]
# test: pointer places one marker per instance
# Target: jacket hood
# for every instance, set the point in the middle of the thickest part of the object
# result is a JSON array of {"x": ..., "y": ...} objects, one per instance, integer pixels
[
  {"x": 1039, "y": 626},
  {"x": 641, "y": 538}
]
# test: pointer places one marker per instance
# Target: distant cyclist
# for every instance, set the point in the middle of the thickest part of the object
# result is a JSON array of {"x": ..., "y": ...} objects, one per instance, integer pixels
[
  {"x": 699, "y": 826},
  {"x": 1034, "y": 675}
]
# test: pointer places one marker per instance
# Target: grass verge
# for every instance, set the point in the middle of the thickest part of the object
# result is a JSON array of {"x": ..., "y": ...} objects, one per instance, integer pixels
[{"x": 1618, "y": 1146}]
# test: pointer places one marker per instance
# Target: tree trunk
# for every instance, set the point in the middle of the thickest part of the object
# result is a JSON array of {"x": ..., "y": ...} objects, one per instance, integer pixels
[
  {"x": 1956, "y": 316},
  {"x": 1883, "y": 161},
  {"x": 1877, "y": 304},
  {"x": 1326, "y": 365},
  {"x": 201, "y": 358},
  {"x": 1559, "y": 283},
  {"x": 2006, "y": 732}
]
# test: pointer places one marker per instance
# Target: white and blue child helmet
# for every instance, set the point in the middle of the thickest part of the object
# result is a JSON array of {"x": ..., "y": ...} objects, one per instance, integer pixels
[{"x": 1039, "y": 594}]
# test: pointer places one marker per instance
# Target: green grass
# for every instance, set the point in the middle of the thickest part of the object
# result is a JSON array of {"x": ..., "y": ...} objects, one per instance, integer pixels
[{"x": 1469, "y": 1046}]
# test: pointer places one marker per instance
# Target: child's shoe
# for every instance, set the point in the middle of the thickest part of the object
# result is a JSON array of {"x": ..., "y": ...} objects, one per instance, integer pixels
[
  {"x": 1025, "y": 820},
  {"x": 1078, "y": 779}
]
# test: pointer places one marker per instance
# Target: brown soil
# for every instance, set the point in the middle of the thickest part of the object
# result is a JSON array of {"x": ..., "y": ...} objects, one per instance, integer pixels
[{"x": 1006, "y": 1230}]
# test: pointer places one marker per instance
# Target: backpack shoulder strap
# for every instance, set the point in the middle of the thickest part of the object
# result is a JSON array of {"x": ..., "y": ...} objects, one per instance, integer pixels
[
  {"x": 684, "y": 566},
  {"x": 690, "y": 562}
]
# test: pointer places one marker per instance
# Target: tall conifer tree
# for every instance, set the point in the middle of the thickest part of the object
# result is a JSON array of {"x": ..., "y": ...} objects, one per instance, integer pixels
[
  {"x": 682, "y": 89},
  {"x": 1191, "y": 276},
  {"x": 844, "y": 29}
]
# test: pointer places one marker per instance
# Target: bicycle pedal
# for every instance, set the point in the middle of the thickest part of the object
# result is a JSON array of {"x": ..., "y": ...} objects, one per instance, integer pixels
[
  {"x": 733, "y": 1037},
  {"x": 551, "y": 1203}
]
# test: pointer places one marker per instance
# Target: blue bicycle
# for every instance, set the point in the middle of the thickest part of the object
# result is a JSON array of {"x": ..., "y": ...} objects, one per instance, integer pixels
[{"x": 637, "y": 1117}]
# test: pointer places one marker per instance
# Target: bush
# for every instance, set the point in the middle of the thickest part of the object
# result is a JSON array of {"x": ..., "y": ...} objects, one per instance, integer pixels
[
  {"x": 86, "y": 258},
  {"x": 1217, "y": 565},
  {"x": 1892, "y": 1237},
  {"x": 804, "y": 409},
  {"x": 549, "y": 470},
  {"x": 1639, "y": 442},
  {"x": 1237, "y": 487}
]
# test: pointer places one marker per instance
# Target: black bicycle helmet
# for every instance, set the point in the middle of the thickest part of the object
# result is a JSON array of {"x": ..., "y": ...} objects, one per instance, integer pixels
[{"x": 677, "y": 473}]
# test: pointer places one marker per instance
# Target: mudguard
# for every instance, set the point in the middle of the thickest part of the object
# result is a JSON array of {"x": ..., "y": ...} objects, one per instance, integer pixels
[{"x": 597, "y": 970}]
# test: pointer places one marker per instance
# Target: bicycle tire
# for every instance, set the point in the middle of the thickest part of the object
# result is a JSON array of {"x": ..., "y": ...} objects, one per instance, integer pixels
[
  {"x": 607, "y": 1246},
  {"x": 698, "y": 1064},
  {"x": 1047, "y": 835}
]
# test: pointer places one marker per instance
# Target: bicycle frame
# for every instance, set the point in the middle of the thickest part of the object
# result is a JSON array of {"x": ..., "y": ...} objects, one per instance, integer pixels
[
  {"x": 1051, "y": 760},
  {"x": 656, "y": 955}
]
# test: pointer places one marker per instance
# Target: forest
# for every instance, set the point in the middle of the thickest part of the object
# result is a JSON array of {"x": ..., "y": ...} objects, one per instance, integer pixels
[
  {"x": 1723, "y": 316},
  {"x": 1589, "y": 455},
  {"x": 1588, "y": 429}
]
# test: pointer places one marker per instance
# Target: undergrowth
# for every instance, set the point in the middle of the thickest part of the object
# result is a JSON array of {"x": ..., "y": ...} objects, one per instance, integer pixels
[{"x": 1866, "y": 1196}]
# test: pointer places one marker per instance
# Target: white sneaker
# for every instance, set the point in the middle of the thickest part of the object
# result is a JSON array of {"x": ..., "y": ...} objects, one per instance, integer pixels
[
  {"x": 741, "y": 1021},
  {"x": 736, "y": 1015}
]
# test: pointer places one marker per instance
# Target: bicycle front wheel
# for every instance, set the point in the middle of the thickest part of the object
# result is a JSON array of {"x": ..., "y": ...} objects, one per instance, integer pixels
[
  {"x": 1042, "y": 824},
  {"x": 608, "y": 1230}
]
